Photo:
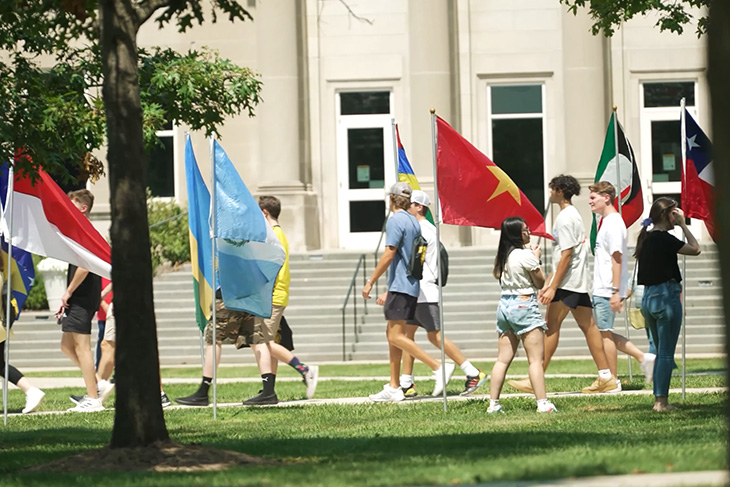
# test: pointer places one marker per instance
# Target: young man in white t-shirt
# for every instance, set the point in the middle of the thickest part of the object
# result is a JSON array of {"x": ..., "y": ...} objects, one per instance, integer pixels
[
  {"x": 610, "y": 280},
  {"x": 566, "y": 289},
  {"x": 427, "y": 309}
]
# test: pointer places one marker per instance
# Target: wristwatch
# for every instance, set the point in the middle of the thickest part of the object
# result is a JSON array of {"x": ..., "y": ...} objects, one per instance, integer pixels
[{"x": 614, "y": 290}]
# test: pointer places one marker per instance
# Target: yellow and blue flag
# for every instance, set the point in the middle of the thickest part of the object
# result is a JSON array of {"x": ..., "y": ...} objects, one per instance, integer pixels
[
  {"x": 249, "y": 254},
  {"x": 22, "y": 274},
  {"x": 200, "y": 241},
  {"x": 405, "y": 171}
]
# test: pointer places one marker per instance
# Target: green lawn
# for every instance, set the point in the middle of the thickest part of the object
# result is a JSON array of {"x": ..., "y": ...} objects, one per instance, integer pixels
[
  {"x": 387, "y": 444},
  {"x": 412, "y": 443}
]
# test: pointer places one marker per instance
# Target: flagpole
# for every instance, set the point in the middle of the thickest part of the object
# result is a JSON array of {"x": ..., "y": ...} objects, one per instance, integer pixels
[
  {"x": 683, "y": 126},
  {"x": 8, "y": 309},
  {"x": 620, "y": 212},
  {"x": 215, "y": 290},
  {"x": 437, "y": 217}
]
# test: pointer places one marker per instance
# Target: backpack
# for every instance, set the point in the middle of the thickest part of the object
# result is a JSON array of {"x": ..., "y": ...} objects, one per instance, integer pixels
[
  {"x": 443, "y": 264},
  {"x": 418, "y": 257}
]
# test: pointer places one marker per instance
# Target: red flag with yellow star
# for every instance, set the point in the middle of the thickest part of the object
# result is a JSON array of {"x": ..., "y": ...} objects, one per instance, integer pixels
[{"x": 474, "y": 191}]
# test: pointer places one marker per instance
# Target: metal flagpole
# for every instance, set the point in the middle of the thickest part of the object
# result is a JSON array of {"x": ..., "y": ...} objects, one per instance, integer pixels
[
  {"x": 215, "y": 290},
  {"x": 620, "y": 212},
  {"x": 8, "y": 309},
  {"x": 683, "y": 125},
  {"x": 437, "y": 221}
]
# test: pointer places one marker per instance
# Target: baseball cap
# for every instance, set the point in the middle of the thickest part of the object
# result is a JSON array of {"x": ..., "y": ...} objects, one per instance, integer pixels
[
  {"x": 420, "y": 197},
  {"x": 401, "y": 189}
]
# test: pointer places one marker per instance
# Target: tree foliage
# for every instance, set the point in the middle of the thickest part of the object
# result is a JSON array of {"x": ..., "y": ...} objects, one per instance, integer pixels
[
  {"x": 51, "y": 75},
  {"x": 673, "y": 15}
]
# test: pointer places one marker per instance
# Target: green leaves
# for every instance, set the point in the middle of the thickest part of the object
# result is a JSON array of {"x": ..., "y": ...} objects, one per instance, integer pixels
[
  {"x": 50, "y": 82},
  {"x": 198, "y": 88},
  {"x": 673, "y": 15}
]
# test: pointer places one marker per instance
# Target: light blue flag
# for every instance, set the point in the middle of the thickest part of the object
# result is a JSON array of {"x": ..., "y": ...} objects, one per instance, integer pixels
[{"x": 249, "y": 254}]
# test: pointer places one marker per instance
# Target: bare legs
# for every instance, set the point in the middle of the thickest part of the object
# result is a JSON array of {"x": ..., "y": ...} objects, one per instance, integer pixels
[
  {"x": 77, "y": 347},
  {"x": 534, "y": 344},
  {"x": 556, "y": 313}
]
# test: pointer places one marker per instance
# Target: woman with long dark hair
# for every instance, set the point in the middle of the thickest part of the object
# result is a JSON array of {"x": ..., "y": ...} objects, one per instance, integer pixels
[
  {"x": 520, "y": 275},
  {"x": 656, "y": 252}
]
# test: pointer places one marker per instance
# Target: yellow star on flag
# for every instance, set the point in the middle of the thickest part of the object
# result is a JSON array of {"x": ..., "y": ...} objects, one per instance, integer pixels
[{"x": 505, "y": 185}]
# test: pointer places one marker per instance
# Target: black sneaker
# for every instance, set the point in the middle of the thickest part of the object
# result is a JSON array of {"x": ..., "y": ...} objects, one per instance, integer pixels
[
  {"x": 164, "y": 399},
  {"x": 193, "y": 400},
  {"x": 262, "y": 400},
  {"x": 409, "y": 392},
  {"x": 473, "y": 383},
  {"x": 76, "y": 399}
]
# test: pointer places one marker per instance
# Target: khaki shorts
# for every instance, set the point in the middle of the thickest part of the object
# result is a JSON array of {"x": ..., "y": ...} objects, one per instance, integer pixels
[
  {"x": 243, "y": 329},
  {"x": 110, "y": 329}
]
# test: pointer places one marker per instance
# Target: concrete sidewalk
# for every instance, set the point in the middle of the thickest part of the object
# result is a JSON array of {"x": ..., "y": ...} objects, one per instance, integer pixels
[{"x": 710, "y": 478}]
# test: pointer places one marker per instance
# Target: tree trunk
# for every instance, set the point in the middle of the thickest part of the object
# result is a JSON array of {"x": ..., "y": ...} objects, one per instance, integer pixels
[
  {"x": 138, "y": 418},
  {"x": 719, "y": 81}
]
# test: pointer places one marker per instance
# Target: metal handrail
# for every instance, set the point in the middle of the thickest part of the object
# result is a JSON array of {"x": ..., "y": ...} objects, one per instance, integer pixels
[{"x": 360, "y": 262}]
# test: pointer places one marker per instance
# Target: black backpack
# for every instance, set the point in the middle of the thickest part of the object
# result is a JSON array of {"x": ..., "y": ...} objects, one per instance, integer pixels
[
  {"x": 443, "y": 264},
  {"x": 418, "y": 257}
]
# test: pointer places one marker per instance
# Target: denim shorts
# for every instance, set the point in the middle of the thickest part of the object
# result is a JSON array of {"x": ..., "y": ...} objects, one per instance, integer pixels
[
  {"x": 602, "y": 313},
  {"x": 518, "y": 315}
]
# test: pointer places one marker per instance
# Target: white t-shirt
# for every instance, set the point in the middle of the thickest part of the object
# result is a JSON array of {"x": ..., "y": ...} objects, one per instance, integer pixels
[
  {"x": 516, "y": 274},
  {"x": 569, "y": 233},
  {"x": 611, "y": 238},
  {"x": 429, "y": 292}
]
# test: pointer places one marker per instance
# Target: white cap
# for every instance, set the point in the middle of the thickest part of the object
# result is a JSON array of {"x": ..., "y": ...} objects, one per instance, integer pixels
[{"x": 420, "y": 197}]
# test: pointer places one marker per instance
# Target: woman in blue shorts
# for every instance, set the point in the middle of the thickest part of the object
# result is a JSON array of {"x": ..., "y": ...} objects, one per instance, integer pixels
[{"x": 518, "y": 317}]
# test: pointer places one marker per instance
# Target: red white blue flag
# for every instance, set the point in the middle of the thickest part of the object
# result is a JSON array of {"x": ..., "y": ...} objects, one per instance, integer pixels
[
  {"x": 46, "y": 222},
  {"x": 698, "y": 181}
]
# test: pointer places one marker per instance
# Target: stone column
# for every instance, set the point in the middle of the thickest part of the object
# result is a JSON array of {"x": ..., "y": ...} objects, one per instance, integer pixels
[
  {"x": 283, "y": 152},
  {"x": 432, "y": 54},
  {"x": 586, "y": 106}
]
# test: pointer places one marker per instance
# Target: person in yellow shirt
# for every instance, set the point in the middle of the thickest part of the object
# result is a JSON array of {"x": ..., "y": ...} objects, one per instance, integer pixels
[{"x": 267, "y": 352}]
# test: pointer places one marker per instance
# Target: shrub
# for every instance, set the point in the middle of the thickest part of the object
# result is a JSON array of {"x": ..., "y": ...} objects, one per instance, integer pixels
[
  {"x": 169, "y": 241},
  {"x": 37, "y": 295}
]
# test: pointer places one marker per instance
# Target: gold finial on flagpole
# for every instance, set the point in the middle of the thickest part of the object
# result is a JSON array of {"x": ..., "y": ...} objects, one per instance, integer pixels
[
  {"x": 432, "y": 110},
  {"x": 615, "y": 108}
]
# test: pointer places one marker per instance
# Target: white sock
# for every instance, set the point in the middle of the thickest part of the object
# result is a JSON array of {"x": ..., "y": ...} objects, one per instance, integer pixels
[
  {"x": 493, "y": 403},
  {"x": 604, "y": 374},
  {"x": 542, "y": 403},
  {"x": 648, "y": 356},
  {"x": 406, "y": 381},
  {"x": 469, "y": 369}
]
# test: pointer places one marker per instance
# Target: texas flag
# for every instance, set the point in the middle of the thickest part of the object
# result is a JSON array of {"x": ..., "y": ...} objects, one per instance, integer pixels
[
  {"x": 474, "y": 191},
  {"x": 46, "y": 222},
  {"x": 698, "y": 183}
]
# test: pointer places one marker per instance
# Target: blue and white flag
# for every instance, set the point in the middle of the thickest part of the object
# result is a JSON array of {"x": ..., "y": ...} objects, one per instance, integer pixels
[{"x": 249, "y": 254}]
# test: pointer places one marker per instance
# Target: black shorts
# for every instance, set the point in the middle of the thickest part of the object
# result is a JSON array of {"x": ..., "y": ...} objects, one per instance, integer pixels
[
  {"x": 427, "y": 317},
  {"x": 572, "y": 299},
  {"x": 400, "y": 306},
  {"x": 77, "y": 320}
]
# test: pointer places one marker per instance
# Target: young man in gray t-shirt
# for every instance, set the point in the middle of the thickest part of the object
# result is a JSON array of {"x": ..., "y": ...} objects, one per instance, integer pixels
[{"x": 400, "y": 304}]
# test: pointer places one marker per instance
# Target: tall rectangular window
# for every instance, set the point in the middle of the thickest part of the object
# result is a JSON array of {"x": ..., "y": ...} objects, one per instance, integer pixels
[
  {"x": 517, "y": 121},
  {"x": 161, "y": 164}
]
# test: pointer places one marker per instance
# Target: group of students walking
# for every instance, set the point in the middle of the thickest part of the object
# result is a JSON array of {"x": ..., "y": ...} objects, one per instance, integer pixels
[{"x": 410, "y": 301}]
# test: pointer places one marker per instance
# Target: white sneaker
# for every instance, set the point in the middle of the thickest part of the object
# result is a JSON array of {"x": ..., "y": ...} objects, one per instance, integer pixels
[
  {"x": 33, "y": 398},
  {"x": 647, "y": 366},
  {"x": 438, "y": 387},
  {"x": 547, "y": 407},
  {"x": 618, "y": 383},
  {"x": 495, "y": 409},
  {"x": 388, "y": 394},
  {"x": 310, "y": 380},
  {"x": 88, "y": 405},
  {"x": 104, "y": 388}
]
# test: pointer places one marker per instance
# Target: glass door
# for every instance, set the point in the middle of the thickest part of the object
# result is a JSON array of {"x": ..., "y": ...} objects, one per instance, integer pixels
[{"x": 366, "y": 167}]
